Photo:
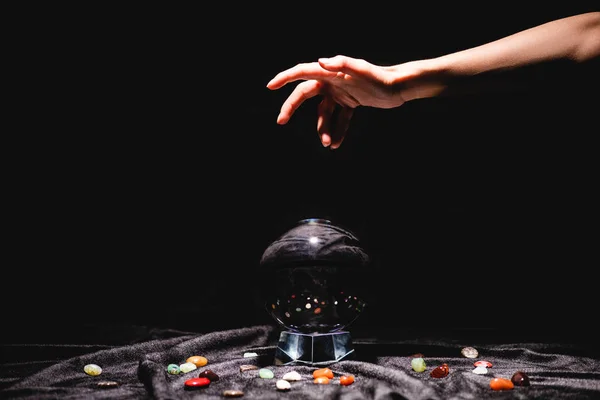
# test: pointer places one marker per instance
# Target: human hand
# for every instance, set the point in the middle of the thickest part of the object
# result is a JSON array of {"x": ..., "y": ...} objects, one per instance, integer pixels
[{"x": 344, "y": 83}]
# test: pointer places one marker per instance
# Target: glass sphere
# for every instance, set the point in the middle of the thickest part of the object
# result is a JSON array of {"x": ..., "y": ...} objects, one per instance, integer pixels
[{"x": 311, "y": 277}]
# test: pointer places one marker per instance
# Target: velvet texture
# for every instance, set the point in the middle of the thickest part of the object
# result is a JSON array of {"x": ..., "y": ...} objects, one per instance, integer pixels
[{"x": 382, "y": 367}]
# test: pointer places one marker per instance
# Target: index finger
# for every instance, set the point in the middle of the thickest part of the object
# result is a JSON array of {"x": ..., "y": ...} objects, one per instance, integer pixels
[{"x": 303, "y": 71}]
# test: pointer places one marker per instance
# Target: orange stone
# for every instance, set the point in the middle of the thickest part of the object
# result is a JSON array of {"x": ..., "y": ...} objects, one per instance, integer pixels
[
  {"x": 501, "y": 384},
  {"x": 346, "y": 380},
  {"x": 199, "y": 361},
  {"x": 321, "y": 380},
  {"x": 326, "y": 372}
]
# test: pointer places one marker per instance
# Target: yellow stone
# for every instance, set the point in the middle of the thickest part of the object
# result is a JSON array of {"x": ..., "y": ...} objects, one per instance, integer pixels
[
  {"x": 92, "y": 369},
  {"x": 199, "y": 361}
]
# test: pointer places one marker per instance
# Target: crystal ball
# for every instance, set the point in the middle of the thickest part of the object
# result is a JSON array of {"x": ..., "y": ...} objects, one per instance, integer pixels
[{"x": 311, "y": 277}]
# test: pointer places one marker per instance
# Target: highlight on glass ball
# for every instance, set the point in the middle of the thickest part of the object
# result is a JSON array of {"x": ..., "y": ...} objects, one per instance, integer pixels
[{"x": 311, "y": 285}]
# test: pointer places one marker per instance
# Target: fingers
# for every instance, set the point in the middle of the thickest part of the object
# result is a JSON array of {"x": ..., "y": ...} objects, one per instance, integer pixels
[
  {"x": 341, "y": 126},
  {"x": 324, "y": 114},
  {"x": 332, "y": 126},
  {"x": 301, "y": 93},
  {"x": 307, "y": 71},
  {"x": 347, "y": 65}
]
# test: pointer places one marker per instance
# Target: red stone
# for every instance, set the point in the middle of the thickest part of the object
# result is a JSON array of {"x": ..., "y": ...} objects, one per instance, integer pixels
[
  {"x": 440, "y": 372},
  {"x": 501, "y": 384},
  {"x": 486, "y": 364},
  {"x": 197, "y": 382}
]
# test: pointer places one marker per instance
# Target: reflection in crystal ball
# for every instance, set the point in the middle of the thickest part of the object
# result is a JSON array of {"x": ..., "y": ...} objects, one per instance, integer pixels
[{"x": 312, "y": 277}]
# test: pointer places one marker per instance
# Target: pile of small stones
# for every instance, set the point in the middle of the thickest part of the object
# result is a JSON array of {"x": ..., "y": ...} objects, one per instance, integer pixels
[
  {"x": 321, "y": 376},
  {"x": 519, "y": 378}
]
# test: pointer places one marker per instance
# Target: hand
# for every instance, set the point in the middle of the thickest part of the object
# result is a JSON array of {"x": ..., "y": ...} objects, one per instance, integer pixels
[{"x": 345, "y": 83}]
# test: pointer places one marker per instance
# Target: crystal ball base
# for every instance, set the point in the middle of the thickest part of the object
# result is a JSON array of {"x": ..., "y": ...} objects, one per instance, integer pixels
[{"x": 313, "y": 349}]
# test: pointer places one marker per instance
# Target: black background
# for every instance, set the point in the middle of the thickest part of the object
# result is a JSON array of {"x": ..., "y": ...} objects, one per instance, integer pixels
[{"x": 148, "y": 173}]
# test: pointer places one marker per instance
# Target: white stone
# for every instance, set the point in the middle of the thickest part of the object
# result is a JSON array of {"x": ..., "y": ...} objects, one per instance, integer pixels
[
  {"x": 480, "y": 370},
  {"x": 292, "y": 376},
  {"x": 282, "y": 384},
  {"x": 250, "y": 355}
]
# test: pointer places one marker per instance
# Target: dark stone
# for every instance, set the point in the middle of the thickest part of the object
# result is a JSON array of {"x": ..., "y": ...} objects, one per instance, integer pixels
[
  {"x": 520, "y": 378},
  {"x": 210, "y": 375}
]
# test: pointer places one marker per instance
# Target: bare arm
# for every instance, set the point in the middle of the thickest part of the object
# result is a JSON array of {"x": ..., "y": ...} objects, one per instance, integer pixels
[
  {"x": 575, "y": 38},
  {"x": 346, "y": 82}
]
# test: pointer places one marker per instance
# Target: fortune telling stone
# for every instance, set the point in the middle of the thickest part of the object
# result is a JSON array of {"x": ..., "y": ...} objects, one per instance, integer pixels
[
  {"x": 480, "y": 370},
  {"x": 482, "y": 363},
  {"x": 247, "y": 367},
  {"x": 346, "y": 380},
  {"x": 321, "y": 380},
  {"x": 501, "y": 384},
  {"x": 187, "y": 367},
  {"x": 197, "y": 383},
  {"x": 173, "y": 369},
  {"x": 282, "y": 384},
  {"x": 250, "y": 355},
  {"x": 440, "y": 372},
  {"x": 292, "y": 376},
  {"x": 210, "y": 375},
  {"x": 520, "y": 378},
  {"x": 469, "y": 352},
  {"x": 323, "y": 372},
  {"x": 418, "y": 364},
  {"x": 107, "y": 384},
  {"x": 266, "y": 373},
  {"x": 199, "y": 361},
  {"x": 232, "y": 393},
  {"x": 92, "y": 369}
]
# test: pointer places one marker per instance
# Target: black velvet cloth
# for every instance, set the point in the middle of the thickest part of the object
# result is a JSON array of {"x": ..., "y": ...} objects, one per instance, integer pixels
[{"x": 381, "y": 366}]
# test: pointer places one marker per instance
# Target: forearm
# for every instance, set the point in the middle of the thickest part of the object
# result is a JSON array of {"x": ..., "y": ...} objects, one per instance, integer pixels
[{"x": 575, "y": 39}]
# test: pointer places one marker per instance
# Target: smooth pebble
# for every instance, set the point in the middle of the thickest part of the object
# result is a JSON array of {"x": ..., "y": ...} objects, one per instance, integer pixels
[
  {"x": 209, "y": 374},
  {"x": 323, "y": 372},
  {"x": 346, "y": 380},
  {"x": 482, "y": 363},
  {"x": 520, "y": 378},
  {"x": 480, "y": 370},
  {"x": 469, "y": 352},
  {"x": 282, "y": 384},
  {"x": 440, "y": 372},
  {"x": 187, "y": 367},
  {"x": 92, "y": 369},
  {"x": 266, "y": 373},
  {"x": 197, "y": 383},
  {"x": 250, "y": 355},
  {"x": 107, "y": 384},
  {"x": 232, "y": 393},
  {"x": 292, "y": 376},
  {"x": 418, "y": 364},
  {"x": 501, "y": 384},
  {"x": 173, "y": 369},
  {"x": 199, "y": 361}
]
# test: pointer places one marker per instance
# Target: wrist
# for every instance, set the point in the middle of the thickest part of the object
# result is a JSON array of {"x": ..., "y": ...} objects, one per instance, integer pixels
[{"x": 421, "y": 79}]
